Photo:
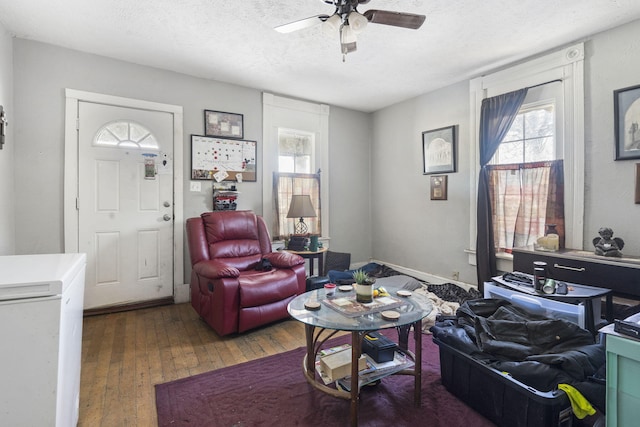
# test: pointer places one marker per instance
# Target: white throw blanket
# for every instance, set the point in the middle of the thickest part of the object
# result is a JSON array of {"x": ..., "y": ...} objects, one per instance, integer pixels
[{"x": 423, "y": 296}]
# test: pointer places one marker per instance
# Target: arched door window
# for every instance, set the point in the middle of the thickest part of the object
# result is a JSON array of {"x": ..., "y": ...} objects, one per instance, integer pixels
[{"x": 125, "y": 134}]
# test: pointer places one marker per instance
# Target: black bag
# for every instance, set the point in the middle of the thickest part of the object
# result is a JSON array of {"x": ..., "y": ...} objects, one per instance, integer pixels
[
  {"x": 297, "y": 243},
  {"x": 264, "y": 265}
]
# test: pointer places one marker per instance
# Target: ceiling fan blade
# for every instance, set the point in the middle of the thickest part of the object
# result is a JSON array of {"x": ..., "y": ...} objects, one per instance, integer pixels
[
  {"x": 397, "y": 19},
  {"x": 301, "y": 24}
]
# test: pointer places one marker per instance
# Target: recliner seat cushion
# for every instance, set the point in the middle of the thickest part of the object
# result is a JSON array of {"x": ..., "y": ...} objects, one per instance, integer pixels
[{"x": 263, "y": 288}]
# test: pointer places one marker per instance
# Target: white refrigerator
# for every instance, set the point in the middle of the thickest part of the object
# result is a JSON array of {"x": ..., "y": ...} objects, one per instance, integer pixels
[{"x": 41, "y": 301}]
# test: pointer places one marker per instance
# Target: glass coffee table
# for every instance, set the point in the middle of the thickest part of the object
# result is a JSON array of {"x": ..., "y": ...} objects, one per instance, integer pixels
[{"x": 324, "y": 316}]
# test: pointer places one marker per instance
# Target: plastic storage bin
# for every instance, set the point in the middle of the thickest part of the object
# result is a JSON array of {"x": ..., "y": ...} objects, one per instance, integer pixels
[
  {"x": 496, "y": 395},
  {"x": 545, "y": 307}
]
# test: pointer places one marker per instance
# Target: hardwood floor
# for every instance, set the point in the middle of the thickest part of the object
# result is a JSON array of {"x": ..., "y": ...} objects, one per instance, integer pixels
[{"x": 125, "y": 354}]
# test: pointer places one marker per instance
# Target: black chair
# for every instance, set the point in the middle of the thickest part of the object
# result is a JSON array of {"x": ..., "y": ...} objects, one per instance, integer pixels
[{"x": 338, "y": 261}]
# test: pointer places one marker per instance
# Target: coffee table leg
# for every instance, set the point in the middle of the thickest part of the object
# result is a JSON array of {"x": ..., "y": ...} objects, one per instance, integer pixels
[
  {"x": 403, "y": 344},
  {"x": 356, "y": 349},
  {"x": 417, "y": 335},
  {"x": 311, "y": 356},
  {"x": 403, "y": 336}
]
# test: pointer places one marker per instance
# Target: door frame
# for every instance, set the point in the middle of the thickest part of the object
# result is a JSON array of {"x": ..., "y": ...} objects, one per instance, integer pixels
[{"x": 71, "y": 180}]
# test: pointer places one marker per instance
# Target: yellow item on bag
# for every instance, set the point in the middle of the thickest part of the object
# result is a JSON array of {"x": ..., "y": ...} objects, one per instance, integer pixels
[{"x": 581, "y": 406}]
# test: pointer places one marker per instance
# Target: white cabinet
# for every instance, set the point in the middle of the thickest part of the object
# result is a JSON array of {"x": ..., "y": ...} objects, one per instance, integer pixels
[{"x": 41, "y": 301}]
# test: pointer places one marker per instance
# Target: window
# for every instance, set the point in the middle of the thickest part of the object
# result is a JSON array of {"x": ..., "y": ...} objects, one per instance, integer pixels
[
  {"x": 294, "y": 177},
  {"x": 295, "y": 150},
  {"x": 521, "y": 177},
  {"x": 296, "y": 140},
  {"x": 559, "y": 107},
  {"x": 531, "y": 137},
  {"x": 125, "y": 134},
  {"x": 285, "y": 185}
]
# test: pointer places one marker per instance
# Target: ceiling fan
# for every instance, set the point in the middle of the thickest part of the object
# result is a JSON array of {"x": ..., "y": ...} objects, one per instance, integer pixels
[{"x": 348, "y": 22}]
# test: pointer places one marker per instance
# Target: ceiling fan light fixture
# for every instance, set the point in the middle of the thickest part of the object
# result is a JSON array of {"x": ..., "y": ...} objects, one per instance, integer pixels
[
  {"x": 347, "y": 35},
  {"x": 357, "y": 22},
  {"x": 332, "y": 25}
]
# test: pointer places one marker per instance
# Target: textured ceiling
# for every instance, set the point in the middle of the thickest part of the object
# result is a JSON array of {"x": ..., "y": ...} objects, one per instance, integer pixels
[{"x": 234, "y": 41}]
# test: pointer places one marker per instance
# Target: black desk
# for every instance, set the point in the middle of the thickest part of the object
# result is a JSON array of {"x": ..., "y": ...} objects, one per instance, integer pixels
[
  {"x": 621, "y": 275},
  {"x": 575, "y": 294}
]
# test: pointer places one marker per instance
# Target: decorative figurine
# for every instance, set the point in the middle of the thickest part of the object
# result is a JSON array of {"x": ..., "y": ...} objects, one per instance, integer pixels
[{"x": 607, "y": 245}]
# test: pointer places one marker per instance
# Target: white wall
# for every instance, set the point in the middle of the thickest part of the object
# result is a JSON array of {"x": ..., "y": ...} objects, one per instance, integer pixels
[
  {"x": 350, "y": 134},
  {"x": 412, "y": 231},
  {"x": 7, "y": 198},
  {"x": 612, "y": 62},
  {"x": 43, "y": 71}
]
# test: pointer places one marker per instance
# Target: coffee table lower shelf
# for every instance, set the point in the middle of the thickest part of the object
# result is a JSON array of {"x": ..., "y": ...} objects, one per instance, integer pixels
[{"x": 356, "y": 381}]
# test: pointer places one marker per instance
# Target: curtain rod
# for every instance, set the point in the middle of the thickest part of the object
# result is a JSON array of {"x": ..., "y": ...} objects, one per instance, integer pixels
[{"x": 545, "y": 83}]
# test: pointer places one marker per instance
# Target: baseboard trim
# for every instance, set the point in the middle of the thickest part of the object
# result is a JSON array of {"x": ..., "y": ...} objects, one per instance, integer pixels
[
  {"x": 430, "y": 278},
  {"x": 128, "y": 307}
]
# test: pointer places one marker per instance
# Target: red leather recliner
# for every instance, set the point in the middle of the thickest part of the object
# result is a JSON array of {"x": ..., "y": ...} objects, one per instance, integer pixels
[{"x": 226, "y": 289}]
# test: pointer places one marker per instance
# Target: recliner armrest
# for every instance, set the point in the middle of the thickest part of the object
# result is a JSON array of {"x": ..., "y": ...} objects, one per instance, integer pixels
[
  {"x": 215, "y": 269},
  {"x": 283, "y": 259}
]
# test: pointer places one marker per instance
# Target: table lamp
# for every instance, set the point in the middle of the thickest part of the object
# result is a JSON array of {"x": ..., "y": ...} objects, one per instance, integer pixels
[{"x": 301, "y": 207}]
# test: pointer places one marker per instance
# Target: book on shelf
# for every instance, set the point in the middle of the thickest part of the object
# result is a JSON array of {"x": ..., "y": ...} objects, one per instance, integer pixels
[
  {"x": 328, "y": 351},
  {"x": 335, "y": 362},
  {"x": 375, "y": 371},
  {"x": 348, "y": 306}
]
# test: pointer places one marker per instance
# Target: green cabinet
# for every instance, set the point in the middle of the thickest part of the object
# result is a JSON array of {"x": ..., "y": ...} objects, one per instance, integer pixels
[{"x": 623, "y": 381}]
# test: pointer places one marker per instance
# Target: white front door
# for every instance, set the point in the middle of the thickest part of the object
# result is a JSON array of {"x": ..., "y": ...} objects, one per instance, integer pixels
[{"x": 125, "y": 202}]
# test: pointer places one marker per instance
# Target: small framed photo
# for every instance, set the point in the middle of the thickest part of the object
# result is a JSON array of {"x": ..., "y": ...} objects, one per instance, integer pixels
[
  {"x": 439, "y": 150},
  {"x": 439, "y": 187},
  {"x": 223, "y": 125},
  {"x": 626, "y": 110}
]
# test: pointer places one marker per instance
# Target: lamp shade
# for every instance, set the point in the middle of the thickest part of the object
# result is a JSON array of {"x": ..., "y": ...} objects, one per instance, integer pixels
[
  {"x": 301, "y": 207},
  {"x": 331, "y": 26},
  {"x": 347, "y": 35},
  {"x": 357, "y": 22}
]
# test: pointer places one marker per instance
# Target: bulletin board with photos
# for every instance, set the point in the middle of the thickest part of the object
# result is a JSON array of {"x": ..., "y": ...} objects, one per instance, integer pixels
[{"x": 223, "y": 159}]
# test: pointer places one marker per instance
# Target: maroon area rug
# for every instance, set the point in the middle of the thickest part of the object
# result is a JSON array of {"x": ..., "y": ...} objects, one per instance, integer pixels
[{"x": 272, "y": 391}]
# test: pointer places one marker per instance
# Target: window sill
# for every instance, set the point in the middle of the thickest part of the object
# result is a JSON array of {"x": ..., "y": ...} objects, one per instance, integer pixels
[{"x": 504, "y": 260}]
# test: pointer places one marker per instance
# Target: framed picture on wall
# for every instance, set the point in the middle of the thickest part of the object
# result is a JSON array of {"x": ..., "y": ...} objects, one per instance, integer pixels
[
  {"x": 626, "y": 110},
  {"x": 223, "y": 125},
  {"x": 439, "y": 150},
  {"x": 439, "y": 187}
]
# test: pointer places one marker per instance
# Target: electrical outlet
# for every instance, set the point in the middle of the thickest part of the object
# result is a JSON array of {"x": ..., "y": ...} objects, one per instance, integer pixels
[
  {"x": 456, "y": 275},
  {"x": 196, "y": 186}
]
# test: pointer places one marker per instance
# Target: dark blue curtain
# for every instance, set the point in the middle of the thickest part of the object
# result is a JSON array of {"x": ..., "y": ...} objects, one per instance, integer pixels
[{"x": 496, "y": 116}]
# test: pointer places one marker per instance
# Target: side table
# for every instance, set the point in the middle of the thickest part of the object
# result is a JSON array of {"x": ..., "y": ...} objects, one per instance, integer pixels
[{"x": 319, "y": 255}]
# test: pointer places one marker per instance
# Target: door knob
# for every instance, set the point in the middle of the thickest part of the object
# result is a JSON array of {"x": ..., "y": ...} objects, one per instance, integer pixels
[
  {"x": 166, "y": 204},
  {"x": 167, "y": 217}
]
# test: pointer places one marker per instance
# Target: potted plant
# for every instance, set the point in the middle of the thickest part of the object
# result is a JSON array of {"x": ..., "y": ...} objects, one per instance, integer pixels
[{"x": 364, "y": 286}]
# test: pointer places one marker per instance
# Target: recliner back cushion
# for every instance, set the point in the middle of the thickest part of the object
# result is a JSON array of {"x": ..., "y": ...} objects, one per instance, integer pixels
[{"x": 233, "y": 236}]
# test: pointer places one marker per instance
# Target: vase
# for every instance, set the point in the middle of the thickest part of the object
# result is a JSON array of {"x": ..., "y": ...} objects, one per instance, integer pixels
[
  {"x": 364, "y": 292},
  {"x": 313, "y": 246}
]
